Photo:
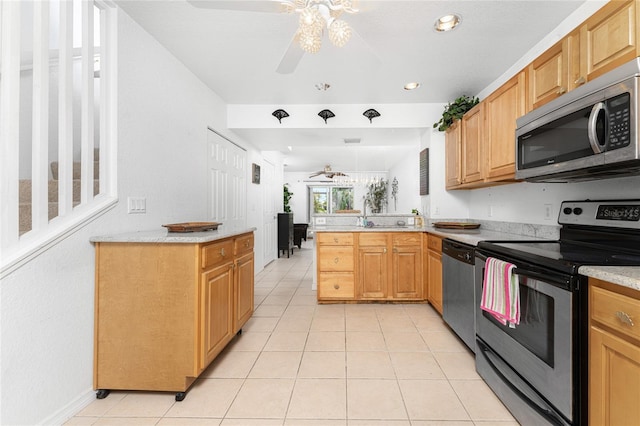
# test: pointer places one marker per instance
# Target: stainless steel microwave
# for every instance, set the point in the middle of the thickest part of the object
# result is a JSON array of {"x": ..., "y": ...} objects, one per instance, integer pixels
[{"x": 589, "y": 133}]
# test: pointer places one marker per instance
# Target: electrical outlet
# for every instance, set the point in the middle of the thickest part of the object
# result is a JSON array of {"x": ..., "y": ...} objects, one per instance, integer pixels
[
  {"x": 136, "y": 205},
  {"x": 411, "y": 221},
  {"x": 436, "y": 211},
  {"x": 548, "y": 208},
  {"x": 490, "y": 211},
  {"x": 321, "y": 220}
]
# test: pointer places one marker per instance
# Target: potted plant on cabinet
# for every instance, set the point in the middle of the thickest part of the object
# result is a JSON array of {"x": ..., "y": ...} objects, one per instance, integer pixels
[
  {"x": 454, "y": 111},
  {"x": 286, "y": 198}
]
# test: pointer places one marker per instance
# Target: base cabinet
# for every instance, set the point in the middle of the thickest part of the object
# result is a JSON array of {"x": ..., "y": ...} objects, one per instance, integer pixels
[
  {"x": 614, "y": 355},
  {"x": 164, "y": 311},
  {"x": 434, "y": 257},
  {"x": 370, "y": 266}
]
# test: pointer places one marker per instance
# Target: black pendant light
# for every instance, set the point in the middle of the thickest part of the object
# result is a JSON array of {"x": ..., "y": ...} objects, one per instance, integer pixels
[
  {"x": 326, "y": 114},
  {"x": 371, "y": 114},
  {"x": 280, "y": 114}
]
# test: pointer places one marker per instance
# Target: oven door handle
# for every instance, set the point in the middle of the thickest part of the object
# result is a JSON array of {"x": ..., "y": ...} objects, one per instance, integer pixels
[{"x": 547, "y": 278}]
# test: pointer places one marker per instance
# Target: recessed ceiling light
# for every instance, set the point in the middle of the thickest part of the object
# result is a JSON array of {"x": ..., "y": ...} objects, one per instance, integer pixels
[
  {"x": 411, "y": 86},
  {"x": 323, "y": 87},
  {"x": 290, "y": 148},
  {"x": 447, "y": 22}
]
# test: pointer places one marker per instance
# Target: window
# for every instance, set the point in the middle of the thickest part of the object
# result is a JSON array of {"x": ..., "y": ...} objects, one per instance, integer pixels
[
  {"x": 330, "y": 199},
  {"x": 57, "y": 120}
]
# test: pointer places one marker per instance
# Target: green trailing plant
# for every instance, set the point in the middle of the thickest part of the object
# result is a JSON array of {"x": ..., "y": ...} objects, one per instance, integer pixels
[
  {"x": 287, "y": 197},
  {"x": 377, "y": 195},
  {"x": 454, "y": 111},
  {"x": 415, "y": 211}
]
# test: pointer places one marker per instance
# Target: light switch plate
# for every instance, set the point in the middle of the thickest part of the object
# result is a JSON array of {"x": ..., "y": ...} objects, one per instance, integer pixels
[{"x": 136, "y": 205}]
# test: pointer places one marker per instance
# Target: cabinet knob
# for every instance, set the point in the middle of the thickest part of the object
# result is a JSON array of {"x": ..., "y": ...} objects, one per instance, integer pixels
[
  {"x": 336, "y": 260},
  {"x": 246, "y": 243},
  {"x": 562, "y": 90},
  {"x": 223, "y": 252},
  {"x": 384, "y": 250},
  {"x": 335, "y": 240},
  {"x": 580, "y": 80},
  {"x": 336, "y": 286},
  {"x": 625, "y": 318}
]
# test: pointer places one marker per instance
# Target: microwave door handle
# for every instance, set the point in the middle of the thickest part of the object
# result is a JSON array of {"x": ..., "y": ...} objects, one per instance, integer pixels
[{"x": 596, "y": 146}]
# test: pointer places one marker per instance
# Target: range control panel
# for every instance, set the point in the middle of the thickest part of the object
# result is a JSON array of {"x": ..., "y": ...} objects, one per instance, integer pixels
[{"x": 609, "y": 213}]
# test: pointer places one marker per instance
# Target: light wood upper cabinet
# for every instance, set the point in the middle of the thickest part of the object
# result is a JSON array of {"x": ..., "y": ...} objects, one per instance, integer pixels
[
  {"x": 472, "y": 144},
  {"x": 614, "y": 354},
  {"x": 502, "y": 108},
  {"x": 549, "y": 74},
  {"x": 609, "y": 38},
  {"x": 452, "y": 141}
]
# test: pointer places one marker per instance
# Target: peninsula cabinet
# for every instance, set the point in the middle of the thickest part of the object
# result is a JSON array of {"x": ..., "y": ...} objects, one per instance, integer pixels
[
  {"x": 369, "y": 266},
  {"x": 165, "y": 310},
  {"x": 336, "y": 265},
  {"x": 614, "y": 354},
  {"x": 434, "y": 282}
]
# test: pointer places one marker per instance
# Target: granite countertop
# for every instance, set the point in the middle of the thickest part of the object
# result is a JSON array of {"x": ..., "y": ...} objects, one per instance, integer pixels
[
  {"x": 163, "y": 236},
  {"x": 626, "y": 276}
]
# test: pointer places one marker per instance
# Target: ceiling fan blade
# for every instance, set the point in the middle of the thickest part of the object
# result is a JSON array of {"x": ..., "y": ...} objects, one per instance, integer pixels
[
  {"x": 270, "y": 6},
  {"x": 291, "y": 57},
  {"x": 316, "y": 174},
  {"x": 358, "y": 40}
]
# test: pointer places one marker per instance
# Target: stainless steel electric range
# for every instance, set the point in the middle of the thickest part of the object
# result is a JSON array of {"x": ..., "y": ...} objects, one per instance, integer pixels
[{"x": 539, "y": 368}]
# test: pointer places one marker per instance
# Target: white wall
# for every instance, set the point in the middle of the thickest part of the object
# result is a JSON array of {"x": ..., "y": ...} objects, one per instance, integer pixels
[
  {"x": 47, "y": 305},
  {"x": 407, "y": 173}
]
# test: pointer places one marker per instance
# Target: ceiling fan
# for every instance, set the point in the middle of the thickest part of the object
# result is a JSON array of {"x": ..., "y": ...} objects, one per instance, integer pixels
[
  {"x": 315, "y": 17},
  {"x": 327, "y": 172}
]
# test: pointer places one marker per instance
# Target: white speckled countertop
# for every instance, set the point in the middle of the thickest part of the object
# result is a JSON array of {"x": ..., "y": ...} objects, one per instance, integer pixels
[{"x": 163, "y": 236}]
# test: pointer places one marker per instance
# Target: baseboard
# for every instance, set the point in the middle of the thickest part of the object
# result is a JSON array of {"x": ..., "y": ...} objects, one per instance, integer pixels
[{"x": 71, "y": 409}]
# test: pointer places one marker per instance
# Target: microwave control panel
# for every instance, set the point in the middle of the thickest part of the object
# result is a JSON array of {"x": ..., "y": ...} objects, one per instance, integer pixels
[{"x": 618, "y": 110}]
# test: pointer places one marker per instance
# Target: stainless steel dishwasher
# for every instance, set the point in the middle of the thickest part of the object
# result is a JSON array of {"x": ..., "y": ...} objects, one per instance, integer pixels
[{"x": 458, "y": 290}]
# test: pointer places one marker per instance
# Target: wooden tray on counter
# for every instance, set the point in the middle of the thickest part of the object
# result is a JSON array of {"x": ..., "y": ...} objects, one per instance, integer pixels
[
  {"x": 192, "y": 226},
  {"x": 456, "y": 225}
]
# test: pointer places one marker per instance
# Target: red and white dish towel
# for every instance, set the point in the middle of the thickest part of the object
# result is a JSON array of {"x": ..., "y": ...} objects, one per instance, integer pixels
[{"x": 501, "y": 292}]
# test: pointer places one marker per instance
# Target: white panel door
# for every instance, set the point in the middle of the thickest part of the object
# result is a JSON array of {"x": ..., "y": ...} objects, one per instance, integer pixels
[
  {"x": 227, "y": 175},
  {"x": 270, "y": 217}
]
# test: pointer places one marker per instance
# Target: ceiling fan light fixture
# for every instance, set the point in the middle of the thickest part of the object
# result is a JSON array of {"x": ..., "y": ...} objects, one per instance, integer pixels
[
  {"x": 447, "y": 22},
  {"x": 280, "y": 114},
  {"x": 339, "y": 32},
  {"x": 326, "y": 114},
  {"x": 311, "y": 20},
  {"x": 310, "y": 42}
]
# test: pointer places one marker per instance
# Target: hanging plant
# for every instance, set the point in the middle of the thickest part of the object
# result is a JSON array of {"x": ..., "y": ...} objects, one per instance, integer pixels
[{"x": 454, "y": 111}]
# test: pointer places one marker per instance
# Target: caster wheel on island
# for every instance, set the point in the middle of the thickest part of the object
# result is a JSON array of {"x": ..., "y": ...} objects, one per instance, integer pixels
[{"x": 102, "y": 393}]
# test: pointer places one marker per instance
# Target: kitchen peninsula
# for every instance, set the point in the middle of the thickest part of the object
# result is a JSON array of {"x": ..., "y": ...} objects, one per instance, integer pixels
[{"x": 166, "y": 304}]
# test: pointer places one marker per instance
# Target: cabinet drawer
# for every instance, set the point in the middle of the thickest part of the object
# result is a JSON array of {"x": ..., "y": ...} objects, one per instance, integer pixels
[
  {"x": 217, "y": 253},
  {"x": 336, "y": 285},
  {"x": 434, "y": 242},
  {"x": 335, "y": 238},
  {"x": 407, "y": 239},
  {"x": 372, "y": 239},
  {"x": 335, "y": 259},
  {"x": 243, "y": 244},
  {"x": 621, "y": 313}
]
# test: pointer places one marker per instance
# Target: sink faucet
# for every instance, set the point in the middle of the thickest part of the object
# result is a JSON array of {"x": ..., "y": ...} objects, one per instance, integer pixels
[{"x": 364, "y": 211}]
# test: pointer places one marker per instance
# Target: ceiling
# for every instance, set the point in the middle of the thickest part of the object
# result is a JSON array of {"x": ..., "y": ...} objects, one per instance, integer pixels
[{"x": 236, "y": 53}]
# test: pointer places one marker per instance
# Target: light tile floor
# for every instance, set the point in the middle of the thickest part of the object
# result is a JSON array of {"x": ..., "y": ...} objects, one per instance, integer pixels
[{"x": 300, "y": 363}]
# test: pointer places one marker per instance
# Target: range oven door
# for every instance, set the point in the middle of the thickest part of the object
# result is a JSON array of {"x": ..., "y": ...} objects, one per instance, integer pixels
[{"x": 532, "y": 365}]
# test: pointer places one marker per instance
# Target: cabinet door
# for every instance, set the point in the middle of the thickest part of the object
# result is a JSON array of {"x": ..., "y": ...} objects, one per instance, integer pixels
[
  {"x": 614, "y": 380},
  {"x": 472, "y": 160},
  {"x": 609, "y": 38},
  {"x": 335, "y": 259},
  {"x": 216, "y": 308},
  {"x": 243, "y": 294},
  {"x": 452, "y": 156},
  {"x": 372, "y": 272},
  {"x": 407, "y": 272},
  {"x": 548, "y": 74},
  {"x": 503, "y": 107},
  {"x": 435, "y": 280}
]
